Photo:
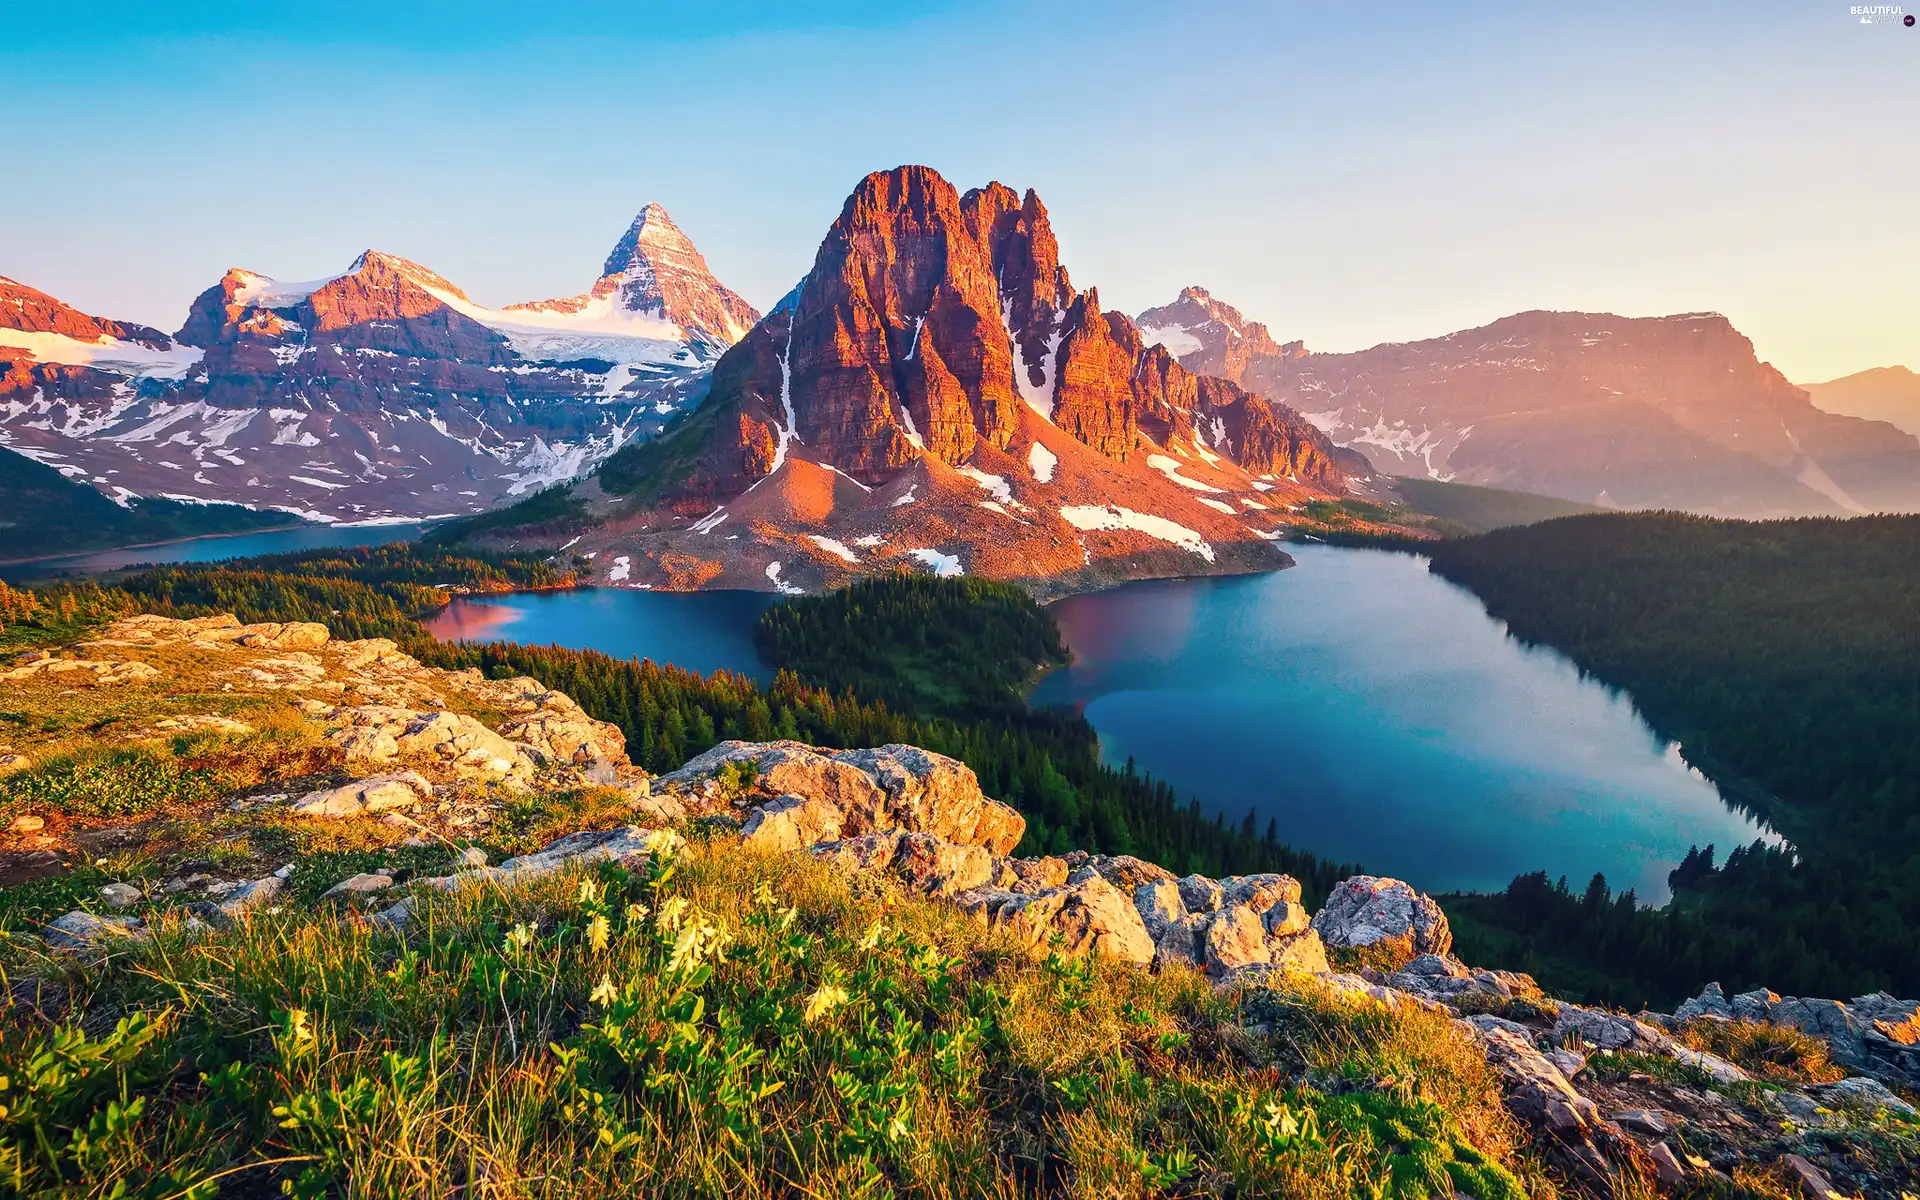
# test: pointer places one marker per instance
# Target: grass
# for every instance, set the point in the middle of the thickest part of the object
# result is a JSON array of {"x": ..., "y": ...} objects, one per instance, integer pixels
[
  {"x": 726, "y": 1024},
  {"x": 1771, "y": 1052}
]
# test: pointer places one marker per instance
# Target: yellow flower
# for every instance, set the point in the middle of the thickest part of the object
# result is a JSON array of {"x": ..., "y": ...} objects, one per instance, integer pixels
[
  {"x": 519, "y": 937},
  {"x": 873, "y": 935},
  {"x": 589, "y": 891},
  {"x": 604, "y": 993},
  {"x": 637, "y": 913},
  {"x": 297, "y": 1026},
  {"x": 664, "y": 842},
  {"x": 826, "y": 998},
  {"x": 598, "y": 930}
]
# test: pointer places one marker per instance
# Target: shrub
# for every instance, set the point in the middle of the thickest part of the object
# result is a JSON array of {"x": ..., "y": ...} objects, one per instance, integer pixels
[{"x": 1774, "y": 1052}]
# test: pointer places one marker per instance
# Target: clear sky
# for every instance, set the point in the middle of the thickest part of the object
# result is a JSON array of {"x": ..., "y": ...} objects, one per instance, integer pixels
[{"x": 1347, "y": 173}]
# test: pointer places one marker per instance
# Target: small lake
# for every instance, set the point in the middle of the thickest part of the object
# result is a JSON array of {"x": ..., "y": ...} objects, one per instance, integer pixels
[
  {"x": 1378, "y": 715},
  {"x": 215, "y": 549},
  {"x": 701, "y": 631}
]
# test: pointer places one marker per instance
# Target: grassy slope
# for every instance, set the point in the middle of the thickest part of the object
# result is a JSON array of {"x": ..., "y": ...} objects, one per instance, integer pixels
[
  {"x": 1481, "y": 509},
  {"x": 42, "y": 512},
  {"x": 736, "y": 1025}
]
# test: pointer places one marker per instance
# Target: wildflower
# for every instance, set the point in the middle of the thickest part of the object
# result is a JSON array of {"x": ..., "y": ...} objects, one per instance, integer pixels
[
  {"x": 787, "y": 916},
  {"x": 298, "y": 1028},
  {"x": 519, "y": 937},
  {"x": 598, "y": 930},
  {"x": 637, "y": 913},
  {"x": 589, "y": 892},
  {"x": 826, "y": 998},
  {"x": 874, "y": 934},
  {"x": 672, "y": 913},
  {"x": 604, "y": 992},
  {"x": 762, "y": 894},
  {"x": 665, "y": 843},
  {"x": 700, "y": 941}
]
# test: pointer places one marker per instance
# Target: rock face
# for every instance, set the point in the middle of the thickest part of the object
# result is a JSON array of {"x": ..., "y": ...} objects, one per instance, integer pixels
[
  {"x": 1654, "y": 412},
  {"x": 1875, "y": 1034},
  {"x": 381, "y": 392},
  {"x": 938, "y": 360}
]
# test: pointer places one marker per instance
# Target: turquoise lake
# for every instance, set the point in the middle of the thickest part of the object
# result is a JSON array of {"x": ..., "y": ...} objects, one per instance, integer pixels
[
  {"x": 701, "y": 631},
  {"x": 1377, "y": 714}
]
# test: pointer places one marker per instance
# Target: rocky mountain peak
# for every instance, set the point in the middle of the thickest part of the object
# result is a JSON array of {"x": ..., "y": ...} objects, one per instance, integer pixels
[{"x": 655, "y": 270}]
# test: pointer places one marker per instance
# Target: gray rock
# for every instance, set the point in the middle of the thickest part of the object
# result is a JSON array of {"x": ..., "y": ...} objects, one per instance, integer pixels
[
  {"x": 1711, "y": 1002},
  {"x": 1862, "y": 1092},
  {"x": 356, "y": 888},
  {"x": 1754, "y": 1005},
  {"x": 365, "y": 797},
  {"x": 82, "y": 930},
  {"x": 1717, "y": 1068},
  {"x": 1650, "y": 1121},
  {"x": 121, "y": 895},
  {"x": 1367, "y": 909},
  {"x": 1608, "y": 1031},
  {"x": 472, "y": 856},
  {"x": 252, "y": 896},
  {"x": 1199, "y": 894}
]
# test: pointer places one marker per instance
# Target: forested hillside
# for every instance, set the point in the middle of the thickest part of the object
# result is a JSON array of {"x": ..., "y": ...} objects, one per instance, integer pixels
[
  {"x": 1785, "y": 657},
  {"x": 42, "y": 512}
]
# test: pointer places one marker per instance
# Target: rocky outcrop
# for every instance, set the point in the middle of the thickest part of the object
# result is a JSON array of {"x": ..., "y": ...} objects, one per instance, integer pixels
[
  {"x": 1876, "y": 1034},
  {"x": 790, "y": 795}
]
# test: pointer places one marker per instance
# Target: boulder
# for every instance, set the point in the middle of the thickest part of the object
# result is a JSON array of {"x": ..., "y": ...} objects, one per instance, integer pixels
[
  {"x": 877, "y": 790},
  {"x": 121, "y": 895},
  {"x": 356, "y": 888},
  {"x": 251, "y": 897},
  {"x": 380, "y": 733},
  {"x": 565, "y": 734},
  {"x": 925, "y": 863},
  {"x": 1235, "y": 938},
  {"x": 79, "y": 930},
  {"x": 9, "y": 763},
  {"x": 1608, "y": 1031},
  {"x": 1087, "y": 914},
  {"x": 293, "y": 635},
  {"x": 792, "y": 822},
  {"x": 630, "y": 846},
  {"x": 363, "y": 797},
  {"x": 1711, "y": 1002},
  {"x": 26, "y": 823},
  {"x": 1365, "y": 910}
]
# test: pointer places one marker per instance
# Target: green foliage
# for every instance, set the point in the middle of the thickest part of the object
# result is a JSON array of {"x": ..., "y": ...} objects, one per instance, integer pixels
[
  {"x": 111, "y": 783},
  {"x": 952, "y": 648},
  {"x": 645, "y": 471},
  {"x": 1782, "y": 656},
  {"x": 1774, "y": 1052},
  {"x": 42, "y": 512},
  {"x": 548, "y": 511},
  {"x": 1480, "y": 509}
]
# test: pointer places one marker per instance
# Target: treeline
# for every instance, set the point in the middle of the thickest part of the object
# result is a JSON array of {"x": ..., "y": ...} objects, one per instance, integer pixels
[
  {"x": 1784, "y": 656},
  {"x": 367, "y": 591}
]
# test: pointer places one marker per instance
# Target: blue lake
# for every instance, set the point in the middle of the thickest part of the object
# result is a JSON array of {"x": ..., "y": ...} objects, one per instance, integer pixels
[
  {"x": 701, "y": 631},
  {"x": 1378, "y": 715},
  {"x": 215, "y": 549}
]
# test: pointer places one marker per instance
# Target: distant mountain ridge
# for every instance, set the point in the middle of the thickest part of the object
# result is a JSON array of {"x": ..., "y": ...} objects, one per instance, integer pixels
[
  {"x": 1890, "y": 394},
  {"x": 936, "y": 391},
  {"x": 380, "y": 393},
  {"x": 1651, "y": 412}
]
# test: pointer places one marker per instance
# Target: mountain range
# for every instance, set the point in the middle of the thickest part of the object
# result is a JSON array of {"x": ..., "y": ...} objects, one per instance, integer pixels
[
  {"x": 381, "y": 393},
  {"x": 937, "y": 391},
  {"x": 1655, "y": 412}
]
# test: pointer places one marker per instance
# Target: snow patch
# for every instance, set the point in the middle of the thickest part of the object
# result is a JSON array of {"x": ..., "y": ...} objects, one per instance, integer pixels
[
  {"x": 781, "y": 585},
  {"x": 946, "y": 566},
  {"x": 712, "y": 520},
  {"x": 1170, "y": 467},
  {"x": 1113, "y": 517},
  {"x": 833, "y": 546},
  {"x": 1178, "y": 341},
  {"x": 1228, "y": 509},
  {"x": 1042, "y": 461},
  {"x": 622, "y": 567}
]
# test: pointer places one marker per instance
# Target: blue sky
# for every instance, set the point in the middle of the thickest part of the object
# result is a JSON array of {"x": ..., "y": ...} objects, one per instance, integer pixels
[{"x": 1348, "y": 174}]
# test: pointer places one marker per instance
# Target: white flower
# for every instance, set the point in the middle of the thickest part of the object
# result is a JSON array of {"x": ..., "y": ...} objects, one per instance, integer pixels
[{"x": 519, "y": 937}]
